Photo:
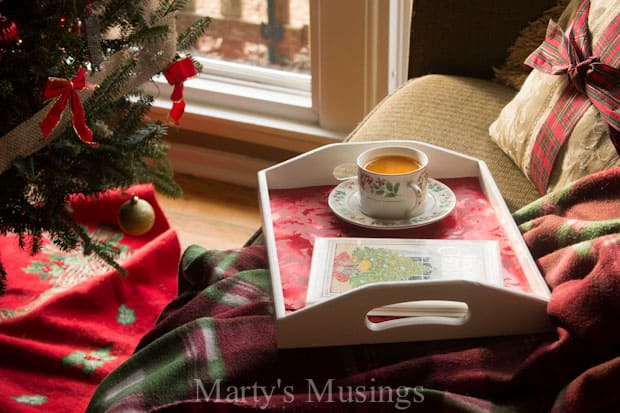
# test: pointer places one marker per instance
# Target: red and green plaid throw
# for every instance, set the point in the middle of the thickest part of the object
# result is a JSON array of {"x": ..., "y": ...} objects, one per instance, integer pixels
[
  {"x": 594, "y": 80},
  {"x": 214, "y": 348}
]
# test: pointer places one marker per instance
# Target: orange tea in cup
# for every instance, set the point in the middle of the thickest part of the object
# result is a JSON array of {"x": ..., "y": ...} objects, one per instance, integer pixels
[
  {"x": 392, "y": 165},
  {"x": 392, "y": 181}
]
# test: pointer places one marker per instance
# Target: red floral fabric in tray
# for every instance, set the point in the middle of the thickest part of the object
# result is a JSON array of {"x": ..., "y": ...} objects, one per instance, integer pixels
[{"x": 301, "y": 215}]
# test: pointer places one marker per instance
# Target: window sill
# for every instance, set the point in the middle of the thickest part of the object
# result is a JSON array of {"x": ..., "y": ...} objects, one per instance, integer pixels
[
  {"x": 297, "y": 133},
  {"x": 246, "y": 113}
]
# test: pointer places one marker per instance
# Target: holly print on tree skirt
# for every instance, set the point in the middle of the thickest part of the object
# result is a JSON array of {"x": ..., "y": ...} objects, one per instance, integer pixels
[
  {"x": 59, "y": 270},
  {"x": 67, "y": 320},
  {"x": 31, "y": 399},
  {"x": 88, "y": 362},
  {"x": 126, "y": 316}
]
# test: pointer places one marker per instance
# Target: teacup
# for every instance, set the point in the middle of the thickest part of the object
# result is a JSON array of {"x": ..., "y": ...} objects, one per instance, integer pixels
[{"x": 392, "y": 181}]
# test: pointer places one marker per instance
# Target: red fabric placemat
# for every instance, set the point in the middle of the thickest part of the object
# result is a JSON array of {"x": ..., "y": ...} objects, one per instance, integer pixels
[
  {"x": 301, "y": 215},
  {"x": 67, "y": 320}
]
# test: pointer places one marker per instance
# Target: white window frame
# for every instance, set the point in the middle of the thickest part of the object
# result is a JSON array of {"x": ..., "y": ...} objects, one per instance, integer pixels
[{"x": 359, "y": 54}]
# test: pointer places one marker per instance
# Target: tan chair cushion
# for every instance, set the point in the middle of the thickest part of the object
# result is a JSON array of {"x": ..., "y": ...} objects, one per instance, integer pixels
[{"x": 455, "y": 113}]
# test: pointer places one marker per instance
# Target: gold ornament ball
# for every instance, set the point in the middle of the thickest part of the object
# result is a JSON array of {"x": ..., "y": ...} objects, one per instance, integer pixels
[{"x": 136, "y": 216}]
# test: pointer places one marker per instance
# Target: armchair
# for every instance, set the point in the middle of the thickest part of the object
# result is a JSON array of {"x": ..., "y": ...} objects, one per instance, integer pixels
[{"x": 451, "y": 98}]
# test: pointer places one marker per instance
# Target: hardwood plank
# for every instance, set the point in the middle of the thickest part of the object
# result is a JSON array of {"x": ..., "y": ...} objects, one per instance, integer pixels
[{"x": 212, "y": 214}]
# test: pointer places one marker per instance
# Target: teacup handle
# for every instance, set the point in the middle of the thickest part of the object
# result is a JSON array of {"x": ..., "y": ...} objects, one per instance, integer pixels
[{"x": 418, "y": 195}]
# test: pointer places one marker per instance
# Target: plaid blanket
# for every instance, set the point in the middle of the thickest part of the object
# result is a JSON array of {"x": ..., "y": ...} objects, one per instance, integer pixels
[{"x": 214, "y": 348}]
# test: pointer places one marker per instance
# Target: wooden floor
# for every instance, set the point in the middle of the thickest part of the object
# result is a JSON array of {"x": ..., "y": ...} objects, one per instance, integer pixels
[{"x": 212, "y": 214}]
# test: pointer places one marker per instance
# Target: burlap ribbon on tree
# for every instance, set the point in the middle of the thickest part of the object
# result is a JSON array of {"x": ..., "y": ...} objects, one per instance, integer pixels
[{"x": 151, "y": 58}]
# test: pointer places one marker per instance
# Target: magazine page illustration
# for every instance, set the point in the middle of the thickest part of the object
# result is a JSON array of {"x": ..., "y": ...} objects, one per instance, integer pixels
[{"x": 341, "y": 264}]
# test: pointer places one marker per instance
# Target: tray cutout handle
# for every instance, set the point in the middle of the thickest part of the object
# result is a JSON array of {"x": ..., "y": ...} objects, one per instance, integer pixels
[
  {"x": 417, "y": 313},
  {"x": 343, "y": 320}
]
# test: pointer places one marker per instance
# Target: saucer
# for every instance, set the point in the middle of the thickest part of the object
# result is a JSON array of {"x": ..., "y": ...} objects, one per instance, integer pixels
[{"x": 344, "y": 201}]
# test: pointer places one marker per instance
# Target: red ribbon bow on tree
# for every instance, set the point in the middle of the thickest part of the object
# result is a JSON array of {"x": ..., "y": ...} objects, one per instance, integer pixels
[
  {"x": 176, "y": 74},
  {"x": 66, "y": 92},
  {"x": 594, "y": 80}
]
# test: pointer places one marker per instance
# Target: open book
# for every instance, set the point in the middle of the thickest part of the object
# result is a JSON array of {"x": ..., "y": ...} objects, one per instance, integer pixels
[{"x": 341, "y": 264}]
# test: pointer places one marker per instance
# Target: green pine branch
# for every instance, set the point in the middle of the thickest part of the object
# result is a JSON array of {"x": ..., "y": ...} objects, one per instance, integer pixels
[
  {"x": 109, "y": 87},
  {"x": 148, "y": 34},
  {"x": 134, "y": 115},
  {"x": 165, "y": 8},
  {"x": 122, "y": 14},
  {"x": 37, "y": 188},
  {"x": 90, "y": 246},
  {"x": 189, "y": 37}
]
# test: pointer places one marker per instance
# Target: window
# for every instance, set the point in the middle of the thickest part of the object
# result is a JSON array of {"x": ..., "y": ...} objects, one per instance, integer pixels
[
  {"x": 264, "y": 33},
  {"x": 358, "y": 54}
]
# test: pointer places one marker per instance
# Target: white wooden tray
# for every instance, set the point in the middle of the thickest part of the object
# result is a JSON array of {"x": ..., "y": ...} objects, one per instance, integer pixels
[{"x": 342, "y": 320}]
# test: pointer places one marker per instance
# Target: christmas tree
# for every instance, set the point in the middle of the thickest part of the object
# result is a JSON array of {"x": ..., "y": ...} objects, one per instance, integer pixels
[{"x": 72, "y": 115}]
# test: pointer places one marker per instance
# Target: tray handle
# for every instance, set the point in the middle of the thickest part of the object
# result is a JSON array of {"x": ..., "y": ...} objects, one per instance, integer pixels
[{"x": 492, "y": 311}]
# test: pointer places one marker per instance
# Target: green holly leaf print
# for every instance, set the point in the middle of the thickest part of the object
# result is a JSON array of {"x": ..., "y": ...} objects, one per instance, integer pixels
[
  {"x": 126, "y": 315},
  {"x": 31, "y": 399},
  {"x": 68, "y": 268},
  {"x": 45, "y": 269},
  {"x": 89, "y": 361}
]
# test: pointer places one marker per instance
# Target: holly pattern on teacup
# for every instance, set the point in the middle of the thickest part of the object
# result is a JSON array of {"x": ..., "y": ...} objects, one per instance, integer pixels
[
  {"x": 379, "y": 186},
  {"x": 422, "y": 182}
]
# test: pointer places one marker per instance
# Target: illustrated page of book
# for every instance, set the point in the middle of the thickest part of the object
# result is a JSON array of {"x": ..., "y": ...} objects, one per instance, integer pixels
[
  {"x": 300, "y": 215},
  {"x": 343, "y": 264}
]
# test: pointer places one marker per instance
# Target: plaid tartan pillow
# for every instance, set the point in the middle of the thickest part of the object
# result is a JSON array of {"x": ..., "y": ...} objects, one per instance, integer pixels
[{"x": 551, "y": 129}]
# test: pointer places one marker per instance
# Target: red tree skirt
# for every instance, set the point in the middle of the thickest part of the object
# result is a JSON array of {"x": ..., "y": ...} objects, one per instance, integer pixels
[{"x": 66, "y": 320}]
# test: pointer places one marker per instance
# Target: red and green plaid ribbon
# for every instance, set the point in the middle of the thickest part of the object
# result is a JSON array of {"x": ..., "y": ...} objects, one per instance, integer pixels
[{"x": 594, "y": 79}]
